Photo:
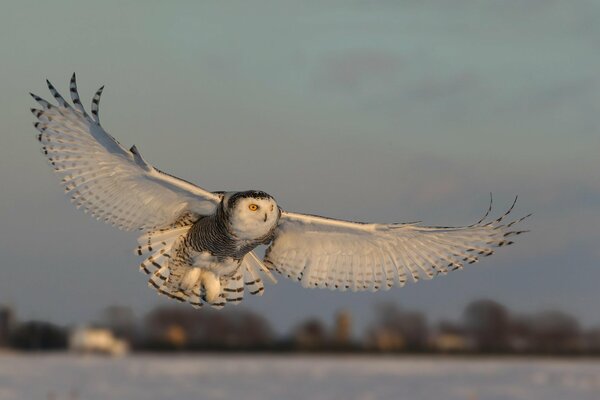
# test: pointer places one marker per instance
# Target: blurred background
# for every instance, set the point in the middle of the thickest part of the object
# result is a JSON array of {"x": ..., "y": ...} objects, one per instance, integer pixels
[{"x": 388, "y": 111}]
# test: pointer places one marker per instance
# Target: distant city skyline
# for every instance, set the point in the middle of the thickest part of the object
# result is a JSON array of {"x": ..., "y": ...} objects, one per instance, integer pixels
[{"x": 376, "y": 111}]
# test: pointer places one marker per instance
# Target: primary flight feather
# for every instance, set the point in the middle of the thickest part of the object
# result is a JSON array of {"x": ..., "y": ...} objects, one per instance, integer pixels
[{"x": 198, "y": 245}]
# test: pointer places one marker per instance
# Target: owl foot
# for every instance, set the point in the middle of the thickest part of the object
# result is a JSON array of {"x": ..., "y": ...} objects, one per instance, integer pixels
[
  {"x": 206, "y": 279},
  {"x": 212, "y": 286}
]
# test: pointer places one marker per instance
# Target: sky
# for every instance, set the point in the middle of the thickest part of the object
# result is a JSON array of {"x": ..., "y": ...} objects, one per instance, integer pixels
[{"x": 383, "y": 111}]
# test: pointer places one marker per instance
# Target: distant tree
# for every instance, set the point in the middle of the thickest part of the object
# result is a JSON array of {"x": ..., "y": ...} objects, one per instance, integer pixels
[
  {"x": 487, "y": 323},
  {"x": 398, "y": 326},
  {"x": 120, "y": 321},
  {"x": 7, "y": 323},
  {"x": 592, "y": 340},
  {"x": 37, "y": 335},
  {"x": 520, "y": 334},
  {"x": 555, "y": 331},
  {"x": 206, "y": 329},
  {"x": 446, "y": 326},
  {"x": 310, "y": 335}
]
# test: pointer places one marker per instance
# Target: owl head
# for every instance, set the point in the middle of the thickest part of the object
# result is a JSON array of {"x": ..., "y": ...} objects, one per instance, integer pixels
[{"x": 251, "y": 215}]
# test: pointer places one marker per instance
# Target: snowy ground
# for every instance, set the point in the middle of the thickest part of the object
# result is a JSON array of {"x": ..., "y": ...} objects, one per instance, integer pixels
[{"x": 155, "y": 377}]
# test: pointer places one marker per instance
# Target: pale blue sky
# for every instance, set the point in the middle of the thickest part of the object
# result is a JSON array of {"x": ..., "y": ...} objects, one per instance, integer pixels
[{"x": 368, "y": 110}]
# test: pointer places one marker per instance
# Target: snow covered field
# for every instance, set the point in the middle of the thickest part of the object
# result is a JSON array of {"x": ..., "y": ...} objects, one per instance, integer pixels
[{"x": 155, "y": 377}]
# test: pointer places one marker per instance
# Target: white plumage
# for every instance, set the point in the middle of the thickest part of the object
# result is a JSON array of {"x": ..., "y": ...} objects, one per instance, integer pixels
[
  {"x": 106, "y": 180},
  {"x": 327, "y": 253},
  {"x": 198, "y": 244}
]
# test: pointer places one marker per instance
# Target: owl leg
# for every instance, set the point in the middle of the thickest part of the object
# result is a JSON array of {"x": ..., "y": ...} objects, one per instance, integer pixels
[
  {"x": 211, "y": 284},
  {"x": 190, "y": 279}
]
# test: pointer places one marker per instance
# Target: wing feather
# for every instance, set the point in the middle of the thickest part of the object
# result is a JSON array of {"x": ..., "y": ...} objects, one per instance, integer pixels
[
  {"x": 105, "y": 179},
  {"x": 324, "y": 252}
]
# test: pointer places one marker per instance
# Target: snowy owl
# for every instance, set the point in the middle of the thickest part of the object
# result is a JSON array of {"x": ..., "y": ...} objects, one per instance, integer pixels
[{"x": 198, "y": 245}]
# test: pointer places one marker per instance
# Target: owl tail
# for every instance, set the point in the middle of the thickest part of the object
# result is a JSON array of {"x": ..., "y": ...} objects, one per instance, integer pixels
[
  {"x": 247, "y": 276},
  {"x": 165, "y": 270},
  {"x": 168, "y": 273}
]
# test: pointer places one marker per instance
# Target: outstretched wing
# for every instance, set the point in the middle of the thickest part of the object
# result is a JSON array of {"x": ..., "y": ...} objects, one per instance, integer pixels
[
  {"x": 102, "y": 177},
  {"x": 335, "y": 254}
]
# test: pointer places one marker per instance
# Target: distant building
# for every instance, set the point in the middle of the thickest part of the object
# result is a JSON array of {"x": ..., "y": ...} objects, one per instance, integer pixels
[
  {"x": 384, "y": 339},
  {"x": 97, "y": 341},
  {"x": 343, "y": 329},
  {"x": 450, "y": 342},
  {"x": 450, "y": 338},
  {"x": 175, "y": 336}
]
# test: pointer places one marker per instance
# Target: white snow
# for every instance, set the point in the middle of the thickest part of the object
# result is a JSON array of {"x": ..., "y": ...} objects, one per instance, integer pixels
[{"x": 252, "y": 377}]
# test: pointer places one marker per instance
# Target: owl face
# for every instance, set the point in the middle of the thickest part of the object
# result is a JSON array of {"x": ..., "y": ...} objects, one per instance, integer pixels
[{"x": 252, "y": 214}]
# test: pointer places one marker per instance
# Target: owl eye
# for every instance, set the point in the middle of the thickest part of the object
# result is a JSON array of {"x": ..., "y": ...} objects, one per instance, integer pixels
[{"x": 253, "y": 207}]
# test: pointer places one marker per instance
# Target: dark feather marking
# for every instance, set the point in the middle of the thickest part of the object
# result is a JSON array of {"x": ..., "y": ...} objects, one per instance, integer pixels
[
  {"x": 238, "y": 290},
  {"x": 236, "y": 299}
]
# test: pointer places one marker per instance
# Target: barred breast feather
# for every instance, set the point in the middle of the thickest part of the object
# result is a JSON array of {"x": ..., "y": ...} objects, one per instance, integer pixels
[{"x": 166, "y": 265}]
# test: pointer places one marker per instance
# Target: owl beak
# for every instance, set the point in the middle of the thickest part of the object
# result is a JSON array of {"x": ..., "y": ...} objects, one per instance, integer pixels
[{"x": 265, "y": 217}]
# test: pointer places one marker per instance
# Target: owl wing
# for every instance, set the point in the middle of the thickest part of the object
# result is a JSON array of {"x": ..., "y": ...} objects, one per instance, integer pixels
[
  {"x": 105, "y": 179},
  {"x": 335, "y": 254}
]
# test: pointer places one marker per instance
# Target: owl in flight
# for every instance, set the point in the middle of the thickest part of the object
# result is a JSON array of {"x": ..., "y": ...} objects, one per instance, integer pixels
[{"x": 198, "y": 245}]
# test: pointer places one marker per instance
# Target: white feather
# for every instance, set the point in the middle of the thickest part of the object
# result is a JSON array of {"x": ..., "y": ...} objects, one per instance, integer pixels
[
  {"x": 108, "y": 181},
  {"x": 323, "y": 252}
]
